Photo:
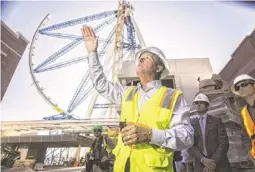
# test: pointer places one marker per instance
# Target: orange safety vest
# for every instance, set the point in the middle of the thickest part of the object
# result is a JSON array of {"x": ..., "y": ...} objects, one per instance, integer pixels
[{"x": 250, "y": 128}]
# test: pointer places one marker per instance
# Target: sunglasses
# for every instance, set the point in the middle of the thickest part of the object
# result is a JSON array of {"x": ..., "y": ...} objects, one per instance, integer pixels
[
  {"x": 199, "y": 103},
  {"x": 243, "y": 84},
  {"x": 97, "y": 131}
]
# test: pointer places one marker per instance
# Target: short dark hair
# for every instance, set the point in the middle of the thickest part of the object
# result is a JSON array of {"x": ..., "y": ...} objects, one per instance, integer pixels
[{"x": 159, "y": 61}]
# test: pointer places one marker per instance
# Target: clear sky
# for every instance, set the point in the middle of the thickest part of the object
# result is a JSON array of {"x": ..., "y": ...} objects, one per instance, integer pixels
[{"x": 181, "y": 29}]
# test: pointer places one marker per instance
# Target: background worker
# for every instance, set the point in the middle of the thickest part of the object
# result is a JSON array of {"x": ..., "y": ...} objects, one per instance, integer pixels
[
  {"x": 244, "y": 87},
  {"x": 210, "y": 140},
  {"x": 99, "y": 158}
]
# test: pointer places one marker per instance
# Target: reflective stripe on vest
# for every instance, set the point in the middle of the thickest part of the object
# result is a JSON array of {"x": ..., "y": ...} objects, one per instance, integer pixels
[
  {"x": 250, "y": 127},
  {"x": 107, "y": 148},
  {"x": 167, "y": 101},
  {"x": 131, "y": 93},
  {"x": 170, "y": 98},
  {"x": 155, "y": 113}
]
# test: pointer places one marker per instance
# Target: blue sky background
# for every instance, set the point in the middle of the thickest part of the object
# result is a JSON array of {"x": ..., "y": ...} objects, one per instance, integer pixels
[{"x": 181, "y": 29}]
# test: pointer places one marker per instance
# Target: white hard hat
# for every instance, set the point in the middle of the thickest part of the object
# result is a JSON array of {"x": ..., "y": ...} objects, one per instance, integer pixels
[
  {"x": 160, "y": 55},
  {"x": 238, "y": 79},
  {"x": 201, "y": 98}
]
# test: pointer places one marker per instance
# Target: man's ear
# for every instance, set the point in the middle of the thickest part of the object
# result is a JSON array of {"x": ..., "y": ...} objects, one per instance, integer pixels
[{"x": 159, "y": 68}]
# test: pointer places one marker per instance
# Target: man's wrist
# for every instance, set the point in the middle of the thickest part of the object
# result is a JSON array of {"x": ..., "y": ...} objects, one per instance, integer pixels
[{"x": 92, "y": 52}]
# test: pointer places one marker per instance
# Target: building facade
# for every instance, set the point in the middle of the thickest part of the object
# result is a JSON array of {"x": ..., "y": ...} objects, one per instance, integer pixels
[
  {"x": 13, "y": 46},
  {"x": 242, "y": 60}
]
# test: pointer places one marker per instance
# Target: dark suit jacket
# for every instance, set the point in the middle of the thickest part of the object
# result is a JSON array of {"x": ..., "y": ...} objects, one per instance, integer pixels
[{"x": 216, "y": 144}]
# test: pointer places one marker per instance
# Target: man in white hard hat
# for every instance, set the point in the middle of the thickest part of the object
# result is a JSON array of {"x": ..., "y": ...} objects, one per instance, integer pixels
[
  {"x": 244, "y": 86},
  {"x": 156, "y": 117},
  {"x": 211, "y": 141}
]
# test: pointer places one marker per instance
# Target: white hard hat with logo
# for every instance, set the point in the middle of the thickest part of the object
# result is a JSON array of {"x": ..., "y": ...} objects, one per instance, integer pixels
[
  {"x": 202, "y": 98},
  {"x": 159, "y": 54},
  {"x": 238, "y": 79}
]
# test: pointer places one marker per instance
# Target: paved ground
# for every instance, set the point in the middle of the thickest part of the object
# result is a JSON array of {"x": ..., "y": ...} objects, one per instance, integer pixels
[
  {"x": 17, "y": 170},
  {"x": 64, "y": 169}
]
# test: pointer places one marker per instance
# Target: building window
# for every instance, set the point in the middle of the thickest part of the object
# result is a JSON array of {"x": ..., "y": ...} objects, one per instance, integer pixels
[
  {"x": 168, "y": 83},
  {"x": 133, "y": 82}
]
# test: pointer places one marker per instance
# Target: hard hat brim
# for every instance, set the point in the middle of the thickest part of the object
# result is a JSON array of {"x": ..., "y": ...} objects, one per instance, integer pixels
[
  {"x": 165, "y": 72},
  {"x": 202, "y": 98},
  {"x": 202, "y": 101}
]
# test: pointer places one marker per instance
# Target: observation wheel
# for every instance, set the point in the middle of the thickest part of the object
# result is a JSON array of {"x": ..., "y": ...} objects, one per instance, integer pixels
[{"x": 58, "y": 60}]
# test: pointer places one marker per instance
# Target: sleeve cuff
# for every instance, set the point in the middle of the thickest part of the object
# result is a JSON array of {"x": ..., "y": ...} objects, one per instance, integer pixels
[
  {"x": 157, "y": 137},
  {"x": 92, "y": 53},
  {"x": 92, "y": 58}
]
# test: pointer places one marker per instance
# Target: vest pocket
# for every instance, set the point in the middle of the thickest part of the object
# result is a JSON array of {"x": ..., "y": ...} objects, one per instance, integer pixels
[
  {"x": 121, "y": 157},
  {"x": 155, "y": 161}
]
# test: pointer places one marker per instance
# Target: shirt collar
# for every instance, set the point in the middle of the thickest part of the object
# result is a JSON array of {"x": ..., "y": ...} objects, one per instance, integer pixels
[
  {"x": 153, "y": 84},
  {"x": 204, "y": 116}
]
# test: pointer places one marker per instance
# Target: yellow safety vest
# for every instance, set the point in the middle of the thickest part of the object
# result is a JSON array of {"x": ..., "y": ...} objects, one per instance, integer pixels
[
  {"x": 250, "y": 128},
  {"x": 156, "y": 113}
]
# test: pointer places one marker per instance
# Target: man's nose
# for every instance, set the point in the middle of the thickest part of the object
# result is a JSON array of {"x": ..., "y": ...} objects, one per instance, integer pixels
[{"x": 141, "y": 59}]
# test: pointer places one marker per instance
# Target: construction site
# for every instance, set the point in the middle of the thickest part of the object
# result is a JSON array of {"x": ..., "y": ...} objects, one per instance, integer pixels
[{"x": 60, "y": 142}]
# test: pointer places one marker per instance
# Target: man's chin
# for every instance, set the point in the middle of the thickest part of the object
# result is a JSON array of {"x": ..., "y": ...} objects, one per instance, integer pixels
[{"x": 140, "y": 72}]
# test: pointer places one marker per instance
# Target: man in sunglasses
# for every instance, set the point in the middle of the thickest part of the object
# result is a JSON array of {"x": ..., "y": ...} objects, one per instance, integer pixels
[
  {"x": 210, "y": 140},
  {"x": 244, "y": 87},
  {"x": 100, "y": 158}
]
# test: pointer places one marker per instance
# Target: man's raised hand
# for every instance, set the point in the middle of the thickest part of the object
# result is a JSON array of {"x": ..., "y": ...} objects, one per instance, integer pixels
[{"x": 90, "y": 39}]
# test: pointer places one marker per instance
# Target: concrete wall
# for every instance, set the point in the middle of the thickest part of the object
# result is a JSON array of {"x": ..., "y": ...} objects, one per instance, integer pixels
[
  {"x": 184, "y": 72},
  {"x": 242, "y": 60},
  {"x": 38, "y": 153},
  {"x": 13, "y": 46}
]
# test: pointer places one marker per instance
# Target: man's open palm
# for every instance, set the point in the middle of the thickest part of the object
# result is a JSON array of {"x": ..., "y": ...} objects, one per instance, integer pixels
[{"x": 90, "y": 38}]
